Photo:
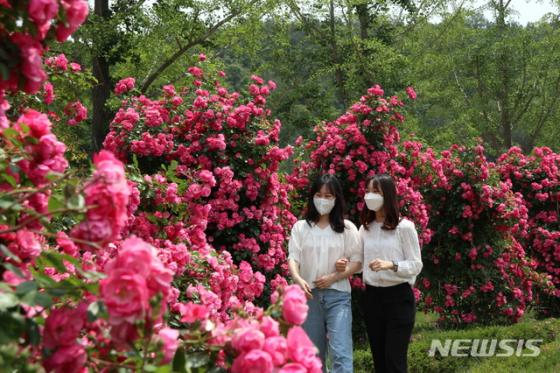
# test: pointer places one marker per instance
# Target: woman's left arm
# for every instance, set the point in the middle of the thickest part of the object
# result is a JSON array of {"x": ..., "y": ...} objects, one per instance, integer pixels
[{"x": 412, "y": 263}]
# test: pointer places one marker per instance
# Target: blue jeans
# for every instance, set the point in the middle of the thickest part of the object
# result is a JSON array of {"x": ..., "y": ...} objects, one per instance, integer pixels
[{"x": 329, "y": 324}]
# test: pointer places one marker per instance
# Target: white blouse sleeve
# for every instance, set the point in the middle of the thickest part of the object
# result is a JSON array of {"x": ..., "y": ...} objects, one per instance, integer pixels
[
  {"x": 294, "y": 244},
  {"x": 412, "y": 263},
  {"x": 352, "y": 243}
]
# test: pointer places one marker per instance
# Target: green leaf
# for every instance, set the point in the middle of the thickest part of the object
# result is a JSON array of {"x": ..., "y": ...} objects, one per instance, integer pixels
[
  {"x": 76, "y": 202},
  {"x": 8, "y": 203},
  {"x": 179, "y": 361},
  {"x": 10, "y": 133},
  {"x": 8, "y": 300},
  {"x": 96, "y": 310},
  {"x": 13, "y": 325},
  {"x": 57, "y": 292},
  {"x": 26, "y": 287},
  {"x": 13, "y": 268},
  {"x": 43, "y": 300},
  {"x": 197, "y": 360},
  {"x": 164, "y": 369},
  {"x": 55, "y": 203},
  {"x": 4, "y": 249},
  {"x": 54, "y": 176},
  {"x": 55, "y": 260},
  {"x": 24, "y": 128},
  {"x": 11, "y": 180},
  {"x": 33, "y": 332}
]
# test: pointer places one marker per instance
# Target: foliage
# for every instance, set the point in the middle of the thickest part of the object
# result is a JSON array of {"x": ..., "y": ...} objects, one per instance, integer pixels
[
  {"x": 228, "y": 141},
  {"x": 420, "y": 361}
]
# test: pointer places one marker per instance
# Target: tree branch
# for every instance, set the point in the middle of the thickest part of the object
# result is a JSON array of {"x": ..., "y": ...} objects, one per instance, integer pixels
[{"x": 175, "y": 56}]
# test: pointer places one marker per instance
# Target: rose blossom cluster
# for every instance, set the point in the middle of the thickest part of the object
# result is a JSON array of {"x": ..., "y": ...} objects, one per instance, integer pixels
[
  {"x": 231, "y": 139},
  {"x": 107, "y": 197},
  {"x": 26, "y": 41},
  {"x": 259, "y": 343},
  {"x": 80, "y": 322},
  {"x": 484, "y": 272},
  {"x": 537, "y": 178},
  {"x": 177, "y": 229},
  {"x": 134, "y": 278},
  {"x": 62, "y": 329}
]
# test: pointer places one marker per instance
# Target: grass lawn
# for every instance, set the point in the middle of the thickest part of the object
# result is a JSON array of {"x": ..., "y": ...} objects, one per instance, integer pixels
[{"x": 425, "y": 330}]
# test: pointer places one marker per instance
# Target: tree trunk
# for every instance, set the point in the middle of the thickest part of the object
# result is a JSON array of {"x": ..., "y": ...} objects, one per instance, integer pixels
[
  {"x": 505, "y": 77},
  {"x": 364, "y": 19},
  {"x": 102, "y": 90}
]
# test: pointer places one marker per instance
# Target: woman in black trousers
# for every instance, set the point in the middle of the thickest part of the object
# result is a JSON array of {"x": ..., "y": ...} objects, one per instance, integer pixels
[{"x": 391, "y": 263}]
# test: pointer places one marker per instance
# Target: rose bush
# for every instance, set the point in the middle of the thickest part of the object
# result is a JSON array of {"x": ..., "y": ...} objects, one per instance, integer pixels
[
  {"x": 537, "y": 178},
  {"x": 79, "y": 290},
  {"x": 475, "y": 270},
  {"x": 228, "y": 143},
  {"x": 360, "y": 143}
]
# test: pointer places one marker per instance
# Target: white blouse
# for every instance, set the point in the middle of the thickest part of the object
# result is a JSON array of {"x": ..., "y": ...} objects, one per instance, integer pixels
[
  {"x": 400, "y": 245},
  {"x": 316, "y": 250}
]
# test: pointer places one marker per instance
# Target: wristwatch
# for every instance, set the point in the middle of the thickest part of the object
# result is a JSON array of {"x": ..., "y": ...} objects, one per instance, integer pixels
[{"x": 395, "y": 266}]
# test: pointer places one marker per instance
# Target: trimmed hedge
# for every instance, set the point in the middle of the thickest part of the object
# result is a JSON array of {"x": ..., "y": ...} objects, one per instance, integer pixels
[{"x": 419, "y": 360}]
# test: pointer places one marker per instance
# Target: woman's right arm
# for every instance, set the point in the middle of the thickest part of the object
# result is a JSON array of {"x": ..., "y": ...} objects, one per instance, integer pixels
[
  {"x": 294, "y": 260},
  {"x": 294, "y": 271}
]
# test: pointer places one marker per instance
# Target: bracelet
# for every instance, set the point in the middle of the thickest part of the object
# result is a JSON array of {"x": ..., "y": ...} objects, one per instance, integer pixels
[{"x": 395, "y": 266}]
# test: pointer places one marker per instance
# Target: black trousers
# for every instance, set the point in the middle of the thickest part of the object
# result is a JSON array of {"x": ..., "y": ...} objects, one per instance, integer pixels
[{"x": 389, "y": 313}]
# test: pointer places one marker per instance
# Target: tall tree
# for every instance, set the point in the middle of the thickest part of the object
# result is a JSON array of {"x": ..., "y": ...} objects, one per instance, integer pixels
[{"x": 102, "y": 89}]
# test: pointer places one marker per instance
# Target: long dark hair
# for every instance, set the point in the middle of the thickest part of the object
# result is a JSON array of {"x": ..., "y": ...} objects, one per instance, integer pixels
[
  {"x": 336, "y": 216},
  {"x": 384, "y": 183}
]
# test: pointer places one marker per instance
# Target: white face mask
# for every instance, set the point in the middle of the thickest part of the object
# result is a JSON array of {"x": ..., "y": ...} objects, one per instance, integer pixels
[
  {"x": 324, "y": 205},
  {"x": 374, "y": 201}
]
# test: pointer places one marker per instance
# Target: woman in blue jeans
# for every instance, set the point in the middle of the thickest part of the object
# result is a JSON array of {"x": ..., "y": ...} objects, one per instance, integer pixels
[{"x": 316, "y": 243}]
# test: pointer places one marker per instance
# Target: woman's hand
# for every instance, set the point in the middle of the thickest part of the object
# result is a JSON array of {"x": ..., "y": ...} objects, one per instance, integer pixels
[
  {"x": 380, "y": 265},
  {"x": 326, "y": 281},
  {"x": 341, "y": 264},
  {"x": 305, "y": 286}
]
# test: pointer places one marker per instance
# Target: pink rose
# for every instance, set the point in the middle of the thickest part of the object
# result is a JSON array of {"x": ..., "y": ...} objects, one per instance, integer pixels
[
  {"x": 302, "y": 350},
  {"x": 255, "y": 361},
  {"x": 123, "y": 334},
  {"x": 411, "y": 93},
  {"x": 277, "y": 347},
  {"x": 270, "y": 327},
  {"x": 28, "y": 244},
  {"x": 66, "y": 244},
  {"x": 376, "y": 90},
  {"x": 135, "y": 255},
  {"x": 192, "y": 312},
  {"x": 98, "y": 231},
  {"x": 170, "y": 343},
  {"x": 76, "y": 13},
  {"x": 31, "y": 61},
  {"x": 62, "y": 327},
  {"x": 247, "y": 339},
  {"x": 195, "y": 71},
  {"x": 66, "y": 359},
  {"x": 124, "y": 85},
  {"x": 125, "y": 294},
  {"x": 294, "y": 305},
  {"x": 42, "y": 11},
  {"x": 293, "y": 368},
  {"x": 38, "y": 123},
  {"x": 48, "y": 93}
]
